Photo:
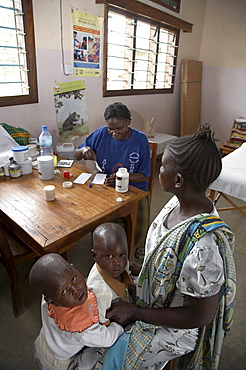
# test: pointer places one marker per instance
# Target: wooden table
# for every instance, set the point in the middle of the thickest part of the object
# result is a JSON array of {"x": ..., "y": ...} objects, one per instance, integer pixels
[{"x": 55, "y": 226}]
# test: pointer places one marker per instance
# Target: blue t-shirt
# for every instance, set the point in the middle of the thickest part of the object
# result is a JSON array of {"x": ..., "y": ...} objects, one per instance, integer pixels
[{"x": 133, "y": 153}]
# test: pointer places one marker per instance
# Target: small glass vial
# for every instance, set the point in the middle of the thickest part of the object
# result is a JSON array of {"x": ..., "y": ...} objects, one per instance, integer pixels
[
  {"x": 14, "y": 170},
  {"x": 122, "y": 180}
]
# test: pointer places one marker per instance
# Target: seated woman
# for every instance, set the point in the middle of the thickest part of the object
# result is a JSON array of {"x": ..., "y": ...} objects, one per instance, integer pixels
[
  {"x": 187, "y": 283},
  {"x": 118, "y": 145}
]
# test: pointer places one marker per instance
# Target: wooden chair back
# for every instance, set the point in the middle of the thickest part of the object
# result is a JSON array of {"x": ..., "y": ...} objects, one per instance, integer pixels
[
  {"x": 14, "y": 252},
  {"x": 153, "y": 154}
]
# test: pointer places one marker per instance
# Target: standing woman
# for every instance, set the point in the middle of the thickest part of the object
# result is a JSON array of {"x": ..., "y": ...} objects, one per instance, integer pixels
[{"x": 187, "y": 283}]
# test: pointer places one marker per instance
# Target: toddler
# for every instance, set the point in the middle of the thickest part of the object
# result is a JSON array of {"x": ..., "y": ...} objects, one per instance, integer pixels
[{"x": 70, "y": 314}]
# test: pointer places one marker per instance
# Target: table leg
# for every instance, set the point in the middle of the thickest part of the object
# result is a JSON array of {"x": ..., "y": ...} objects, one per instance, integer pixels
[{"x": 131, "y": 221}]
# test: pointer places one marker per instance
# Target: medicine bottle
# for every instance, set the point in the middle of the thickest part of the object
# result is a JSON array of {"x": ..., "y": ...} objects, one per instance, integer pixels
[
  {"x": 122, "y": 180},
  {"x": 14, "y": 170},
  {"x": 45, "y": 142}
]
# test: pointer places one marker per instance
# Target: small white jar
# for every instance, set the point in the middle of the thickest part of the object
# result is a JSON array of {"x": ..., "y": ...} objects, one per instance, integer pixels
[
  {"x": 26, "y": 166},
  {"x": 49, "y": 192},
  {"x": 122, "y": 180},
  {"x": 46, "y": 167},
  {"x": 20, "y": 153}
]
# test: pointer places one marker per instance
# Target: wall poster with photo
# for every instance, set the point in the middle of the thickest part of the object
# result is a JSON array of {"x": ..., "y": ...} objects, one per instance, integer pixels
[
  {"x": 170, "y": 4},
  {"x": 87, "y": 31}
]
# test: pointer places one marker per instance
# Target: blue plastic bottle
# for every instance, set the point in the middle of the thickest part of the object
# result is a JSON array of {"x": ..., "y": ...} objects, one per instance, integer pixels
[{"x": 45, "y": 142}]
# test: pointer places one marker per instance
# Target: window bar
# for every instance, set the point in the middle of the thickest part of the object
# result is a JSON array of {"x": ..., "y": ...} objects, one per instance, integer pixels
[
  {"x": 9, "y": 8},
  {"x": 9, "y": 47},
  {"x": 11, "y": 65},
  {"x": 10, "y": 28},
  {"x": 12, "y": 82},
  {"x": 134, "y": 51},
  {"x": 156, "y": 55}
]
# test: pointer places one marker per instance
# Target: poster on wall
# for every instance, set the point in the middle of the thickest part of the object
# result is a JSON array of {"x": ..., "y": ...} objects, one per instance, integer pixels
[
  {"x": 71, "y": 110},
  {"x": 87, "y": 31}
]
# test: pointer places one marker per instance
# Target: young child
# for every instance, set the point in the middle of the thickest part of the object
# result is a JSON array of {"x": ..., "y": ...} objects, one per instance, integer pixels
[
  {"x": 109, "y": 278},
  {"x": 70, "y": 315}
]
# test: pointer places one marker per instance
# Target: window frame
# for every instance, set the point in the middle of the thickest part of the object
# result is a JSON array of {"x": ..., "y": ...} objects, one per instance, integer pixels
[
  {"x": 132, "y": 91},
  {"x": 149, "y": 14},
  {"x": 32, "y": 97}
]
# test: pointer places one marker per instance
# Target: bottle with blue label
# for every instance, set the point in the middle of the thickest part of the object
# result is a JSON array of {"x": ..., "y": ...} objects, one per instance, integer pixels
[{"x": 45, "y": 142}]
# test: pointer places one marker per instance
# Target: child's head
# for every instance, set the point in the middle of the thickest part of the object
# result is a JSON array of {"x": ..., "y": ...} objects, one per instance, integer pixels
[
  {"x": 110, "y": 250},
  {"x": 196, "y": 158},
  {"x": 59, "y": 281}
]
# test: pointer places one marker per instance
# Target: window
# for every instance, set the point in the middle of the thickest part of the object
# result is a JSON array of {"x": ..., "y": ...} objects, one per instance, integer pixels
[
  {"x": 140, "y": 48},
  {"x": 17, "y": 53},
  {"x": 141, "y": 55}
]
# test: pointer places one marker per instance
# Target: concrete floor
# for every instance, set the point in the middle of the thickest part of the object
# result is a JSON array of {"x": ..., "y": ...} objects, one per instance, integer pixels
[{"x": 18, "y": 334}]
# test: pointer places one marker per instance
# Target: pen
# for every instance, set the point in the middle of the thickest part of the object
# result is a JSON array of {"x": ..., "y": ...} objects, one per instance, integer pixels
[{"x": 90, "y": 183}]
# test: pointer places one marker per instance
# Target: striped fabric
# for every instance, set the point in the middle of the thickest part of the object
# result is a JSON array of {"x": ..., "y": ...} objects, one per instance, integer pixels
[{"x": 238, "y": 137}]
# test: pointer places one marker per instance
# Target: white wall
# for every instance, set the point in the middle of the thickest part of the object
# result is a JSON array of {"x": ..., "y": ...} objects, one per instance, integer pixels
[
  {"x": 218, "y": 40},
  {"x": 223, "y": 54},
  {"x": 165, "y": 107}
]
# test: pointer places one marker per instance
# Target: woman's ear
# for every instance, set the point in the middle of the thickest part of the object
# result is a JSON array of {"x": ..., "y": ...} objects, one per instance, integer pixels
[{"x": 179, "y": 180}]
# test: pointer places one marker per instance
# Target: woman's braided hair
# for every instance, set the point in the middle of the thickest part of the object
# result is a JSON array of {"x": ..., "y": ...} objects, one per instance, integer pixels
[
  {"x": 117, "y": 110},
  {"x": 197, "y": 158}
]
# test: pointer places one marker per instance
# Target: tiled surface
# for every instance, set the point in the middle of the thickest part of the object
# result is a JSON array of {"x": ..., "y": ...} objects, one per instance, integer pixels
[{"x": 17, "y": 335}]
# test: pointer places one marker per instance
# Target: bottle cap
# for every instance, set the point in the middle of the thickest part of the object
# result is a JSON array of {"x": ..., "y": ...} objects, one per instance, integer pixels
[{"x": 67, "y": 184}]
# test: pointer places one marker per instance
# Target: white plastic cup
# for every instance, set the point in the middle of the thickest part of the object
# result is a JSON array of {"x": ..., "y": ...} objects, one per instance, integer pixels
[
  {"x": 49, "y": 192},
  {"x": 26, "y": 166},
  {"x": 20, "y": 153},
  {"x": 46, "y": 167}
]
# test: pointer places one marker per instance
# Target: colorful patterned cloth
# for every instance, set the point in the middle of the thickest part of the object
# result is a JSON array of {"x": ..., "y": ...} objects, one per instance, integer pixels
[
  {"x": 158, "y": 280},
  {"x": 20, "y": 135}
]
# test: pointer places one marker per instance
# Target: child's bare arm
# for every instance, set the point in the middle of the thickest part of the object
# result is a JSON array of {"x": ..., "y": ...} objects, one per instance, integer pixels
[
  {"x": 132, "y": 292},
  {"x": 135, "y": 268}
]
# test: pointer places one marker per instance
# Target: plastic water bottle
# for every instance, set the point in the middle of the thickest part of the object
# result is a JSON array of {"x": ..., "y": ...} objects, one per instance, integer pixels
[
  {"x": 45, "y": 142},
  {"x": 122, "y": 180}
]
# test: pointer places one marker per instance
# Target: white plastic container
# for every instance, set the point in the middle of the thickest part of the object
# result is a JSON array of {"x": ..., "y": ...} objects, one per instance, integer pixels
[
  {"x": 49, "y": 192},
  {"x": 46, "y": 167},
  {"x": 122, "y": 180},
  {"x": 65, "y": 150},
  {"x": 26, "y": 166},
  {"x": 20, "y": 153}
]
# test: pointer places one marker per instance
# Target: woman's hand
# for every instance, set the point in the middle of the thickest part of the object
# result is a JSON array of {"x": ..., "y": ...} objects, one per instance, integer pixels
[
  {"x": 110, "y": 181},
  {"x": 122, "y": 312},
  {"x": 86, "y": 152}
]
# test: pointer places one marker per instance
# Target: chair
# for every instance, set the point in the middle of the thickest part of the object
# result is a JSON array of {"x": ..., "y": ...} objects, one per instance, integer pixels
[
  {"x": 14, "y": 252},
  {"x": 237, "y": 137},
  {"x": 153, "y": 153}
]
